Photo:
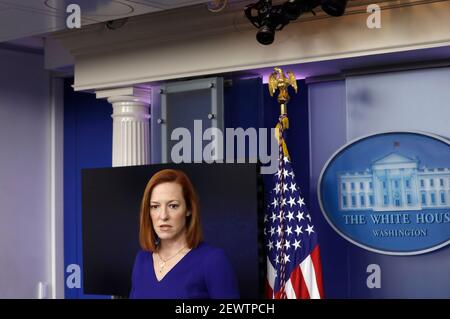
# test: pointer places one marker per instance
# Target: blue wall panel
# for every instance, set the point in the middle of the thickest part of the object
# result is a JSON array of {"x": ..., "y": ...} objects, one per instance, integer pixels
[
  {"x": 327, "y": 110},
  {"x": 343, "y": 110},
  {"x": 416, "y": 100},
  {"x": 87, "y": 144}
]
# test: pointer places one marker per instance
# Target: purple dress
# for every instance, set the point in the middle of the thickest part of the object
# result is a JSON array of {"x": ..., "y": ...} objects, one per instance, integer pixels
[{"x": 203, "y": 273}]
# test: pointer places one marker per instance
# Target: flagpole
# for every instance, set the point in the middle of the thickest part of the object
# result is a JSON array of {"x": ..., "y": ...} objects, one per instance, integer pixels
[
  {"x": 294, "y": 268},
  {"x": 279, "y": 81}
]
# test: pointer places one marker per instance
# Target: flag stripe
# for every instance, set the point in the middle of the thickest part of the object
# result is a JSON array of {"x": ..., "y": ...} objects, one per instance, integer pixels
[
  {"x": 270, "y": 274},
  {"x": 268, "y": 291},
  {"x": 290, "y": 292},
  {"x": 309, "y": 276},
  {"x": 299, "y": 284},
  {"x": 315, "y": 256}
]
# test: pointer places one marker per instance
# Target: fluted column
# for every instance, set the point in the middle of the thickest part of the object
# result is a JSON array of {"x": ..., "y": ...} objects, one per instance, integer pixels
[{"x": 131, "y": 128}]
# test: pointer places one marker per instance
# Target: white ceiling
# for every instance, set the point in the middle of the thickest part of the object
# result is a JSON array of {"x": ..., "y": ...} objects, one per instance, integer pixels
[{"x": 26, "y": 18}]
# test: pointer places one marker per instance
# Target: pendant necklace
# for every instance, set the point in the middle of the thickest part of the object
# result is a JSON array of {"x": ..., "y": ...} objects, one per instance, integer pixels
[{"x": 163, "y": 262}]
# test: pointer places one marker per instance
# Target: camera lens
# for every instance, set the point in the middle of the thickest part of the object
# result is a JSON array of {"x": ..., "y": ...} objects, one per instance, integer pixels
[
  {"x": 334, "y": 8},
  {"x": 265, "y": 35}
]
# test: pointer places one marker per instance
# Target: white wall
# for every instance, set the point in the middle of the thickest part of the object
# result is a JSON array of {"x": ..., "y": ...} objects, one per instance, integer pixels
[{"x": 25, "y": 180}]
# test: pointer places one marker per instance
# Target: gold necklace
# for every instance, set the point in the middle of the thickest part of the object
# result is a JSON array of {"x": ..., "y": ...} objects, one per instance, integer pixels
[{"x": 163, "y": 262}]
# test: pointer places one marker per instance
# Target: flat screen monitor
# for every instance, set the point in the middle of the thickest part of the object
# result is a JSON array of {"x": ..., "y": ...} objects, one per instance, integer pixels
[{"x": 231, "y": 210}]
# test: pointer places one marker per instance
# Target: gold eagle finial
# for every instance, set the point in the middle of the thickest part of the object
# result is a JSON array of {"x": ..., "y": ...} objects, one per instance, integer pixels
[{"x": 277, "y": 80}]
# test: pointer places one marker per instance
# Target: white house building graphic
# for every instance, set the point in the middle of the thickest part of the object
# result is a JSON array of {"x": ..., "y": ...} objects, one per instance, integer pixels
[{"x": 394, "y": 182}]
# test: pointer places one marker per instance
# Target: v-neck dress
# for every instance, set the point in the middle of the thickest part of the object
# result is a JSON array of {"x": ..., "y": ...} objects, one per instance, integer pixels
[{"x": 203, "y": 273}]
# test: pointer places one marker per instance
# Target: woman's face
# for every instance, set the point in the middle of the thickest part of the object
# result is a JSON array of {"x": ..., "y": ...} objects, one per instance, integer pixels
[{"x": 168, "y": 211}]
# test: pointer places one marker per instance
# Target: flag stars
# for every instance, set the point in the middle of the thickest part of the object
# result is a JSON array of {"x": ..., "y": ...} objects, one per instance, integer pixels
[
  {"x": 290, "y": 216},
  {"x": 275, "y": 202},
  {"x": 296, "y": 244},
  {"x": 309, "y": 229},
  {"x": 278, "y": 244},
  {"x": 278, "y": 174},
  {"x": 291, "y": 201},
  {"x": 279, "y": 230},
  {"x": 293, "y": 187},
  {"x": 298, "y": 230},
  {"x": 287, "y": 244},
  {"x": 280, "y": 216},
  {"x": 277, "y": 188},
  {"x": 286, "y": 222},
  {"x": 273, "y": 217},
  {"x": 272, "y": 231},
  {"x": 289, "y": 230}
]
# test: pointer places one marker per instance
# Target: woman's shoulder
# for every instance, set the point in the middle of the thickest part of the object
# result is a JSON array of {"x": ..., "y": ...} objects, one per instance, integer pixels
[
  {"x": 212, "y": 252},
  {"x": 208, "y": 248},
  {"x": 218, "y": 272},
  {"x": 142, "y": 256}
]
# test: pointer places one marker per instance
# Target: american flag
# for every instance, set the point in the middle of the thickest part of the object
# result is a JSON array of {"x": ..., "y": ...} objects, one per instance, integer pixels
[{"x": 294, "y": 268}]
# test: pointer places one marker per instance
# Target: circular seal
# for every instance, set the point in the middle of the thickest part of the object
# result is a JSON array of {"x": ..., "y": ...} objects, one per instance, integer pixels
[{"x": 389, "y": 192}]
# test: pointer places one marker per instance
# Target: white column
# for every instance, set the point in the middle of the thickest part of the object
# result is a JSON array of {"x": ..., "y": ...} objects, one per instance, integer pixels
[{"x": 131, "y": 128}]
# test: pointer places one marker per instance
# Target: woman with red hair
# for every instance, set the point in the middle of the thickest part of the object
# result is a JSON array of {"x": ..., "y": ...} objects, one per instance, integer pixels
[{"x": 174, "y": 262}]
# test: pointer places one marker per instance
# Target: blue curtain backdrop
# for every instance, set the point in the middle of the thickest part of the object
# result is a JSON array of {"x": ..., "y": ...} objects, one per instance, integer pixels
[
  {"x": 249, "y": 104},
  {"x": 87, "y": 144}
]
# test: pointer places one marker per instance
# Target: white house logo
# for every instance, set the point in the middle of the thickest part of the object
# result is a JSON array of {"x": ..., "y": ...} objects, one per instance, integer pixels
[
  {"x": 395, "y": 182},
  {"x": 390, "y": 192}
]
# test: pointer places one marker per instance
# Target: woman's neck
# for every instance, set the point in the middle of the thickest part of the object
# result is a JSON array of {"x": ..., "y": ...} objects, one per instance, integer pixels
[{"x": 172, "y": 245}]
